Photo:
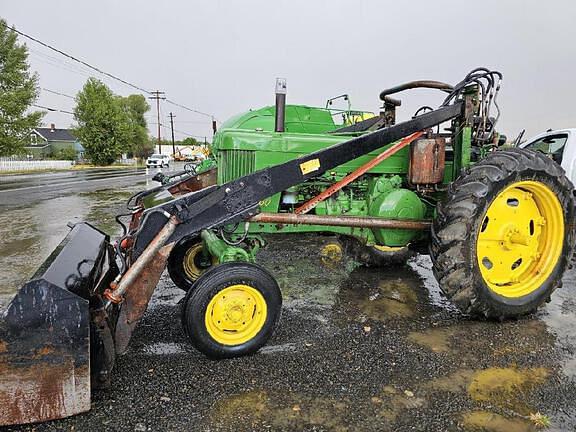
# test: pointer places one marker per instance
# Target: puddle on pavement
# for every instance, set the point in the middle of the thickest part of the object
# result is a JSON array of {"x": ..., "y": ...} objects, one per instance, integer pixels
[
  {"x": 29, "y": 234},
  {"x": 256, "y": 409},
  {"x": 168, "y": 296},
  {"x": 371, "y": 294},
  {"x": 103, "y": 207},
  {"x": 292, "y": 411},
  {"x": 422, "y": 265},
  {"x": 502, "y": 390},
  {"x": 274, "y": 349},
  {"x": 509, "y": 341},
  {"x": 308, "y": 268},
  {"x": 484, "y": 421},
  {"x": 505, "y": 388},
  {"x": 560, "y": 317}
]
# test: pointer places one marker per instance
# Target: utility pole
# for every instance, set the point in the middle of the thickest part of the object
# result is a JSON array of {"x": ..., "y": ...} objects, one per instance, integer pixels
[
  {"x": 157, "y": 95},
  {"x": 172, "y": 128}
]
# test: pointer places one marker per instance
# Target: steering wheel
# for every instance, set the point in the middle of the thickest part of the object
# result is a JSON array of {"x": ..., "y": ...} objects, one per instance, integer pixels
[{"x": 190, "y": 168}]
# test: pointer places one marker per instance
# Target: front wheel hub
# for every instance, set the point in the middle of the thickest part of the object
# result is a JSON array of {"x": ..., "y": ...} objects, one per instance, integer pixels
[{"x": 235, "y": 315}]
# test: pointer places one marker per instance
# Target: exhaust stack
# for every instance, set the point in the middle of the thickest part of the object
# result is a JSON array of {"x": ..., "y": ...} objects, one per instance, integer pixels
[{"x": 279, "y": 125}]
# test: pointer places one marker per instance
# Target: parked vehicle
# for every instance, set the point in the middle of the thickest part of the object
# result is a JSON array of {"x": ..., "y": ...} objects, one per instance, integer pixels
[
  {"x": 559, "y": 145},
  {"x": 158, "y": 161}
]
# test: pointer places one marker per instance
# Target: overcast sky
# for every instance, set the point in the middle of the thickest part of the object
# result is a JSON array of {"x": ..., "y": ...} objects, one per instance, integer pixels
[{"x": 222, "y": 57}]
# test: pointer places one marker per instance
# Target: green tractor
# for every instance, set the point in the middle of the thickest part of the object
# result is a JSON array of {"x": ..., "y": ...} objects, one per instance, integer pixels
[{"x": 497, "y": 223}]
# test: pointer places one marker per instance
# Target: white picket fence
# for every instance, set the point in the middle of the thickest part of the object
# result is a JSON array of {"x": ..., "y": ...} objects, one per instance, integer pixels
[{"x": 9, "y": 164}]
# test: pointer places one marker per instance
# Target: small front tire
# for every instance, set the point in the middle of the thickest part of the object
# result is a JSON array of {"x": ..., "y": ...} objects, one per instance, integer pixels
[{"x": 232, "y": 310}]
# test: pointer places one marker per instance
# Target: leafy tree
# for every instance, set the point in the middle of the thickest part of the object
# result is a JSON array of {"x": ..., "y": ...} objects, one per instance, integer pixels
[
  {"x": 18, "y": 91},
  {"x": 135, "y": 106},
  {"x": 189, "y": 141},
  {"x": 103, "y": 126}
]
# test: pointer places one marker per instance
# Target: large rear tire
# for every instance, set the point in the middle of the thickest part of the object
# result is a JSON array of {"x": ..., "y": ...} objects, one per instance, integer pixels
[{"x": 504, "y": 235}]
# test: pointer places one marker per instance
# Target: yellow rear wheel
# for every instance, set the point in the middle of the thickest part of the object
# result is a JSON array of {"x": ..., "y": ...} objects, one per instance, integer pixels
[
  {"x": 520, "y": 239},
  {"x": 503, "y": 237}
]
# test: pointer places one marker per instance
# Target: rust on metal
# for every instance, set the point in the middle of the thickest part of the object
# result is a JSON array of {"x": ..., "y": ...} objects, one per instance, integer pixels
[
  {"x": 114, "y": 295},
  {"x": 137, "y": 296},
  {"x": 45, "y": 333},
  {"x": 394, "y": 148},
  {"x": 347, "y": 221},
  {"x": 42, "y": 388},
  {"x": 427, "y": 161},
  {"x": 194, "y": 183}
]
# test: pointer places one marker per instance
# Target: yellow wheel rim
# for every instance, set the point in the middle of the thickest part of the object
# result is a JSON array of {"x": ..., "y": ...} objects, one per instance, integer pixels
[
  {"x": 236, "y": 314},
  {"x": 191, "y": 265},
  {"x": 331, "y": 254},
  {"x": 384, "y": 248},
  {"x": 520, "y": 239}
]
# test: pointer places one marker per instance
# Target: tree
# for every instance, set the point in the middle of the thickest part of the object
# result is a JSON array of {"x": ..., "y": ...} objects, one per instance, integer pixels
[
  {"x": 18, "y": 91},
  {"x": 189, "y": 141},
  {"x": 135, "y": 106},
  {"x": 103, "y": 126}
]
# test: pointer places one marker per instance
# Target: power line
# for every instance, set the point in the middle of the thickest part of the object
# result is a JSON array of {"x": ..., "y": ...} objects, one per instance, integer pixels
[
  {"x": 196, "y": 122},
  {"x": 114, "y": 77},
  {"x": 58, "y": 93},
  {"x": 61, "y": 64},
  {"x": 52, "y": 109},
  {"x": 84, "y": 63},
  {"x": 189, "y": 109},
  {"x": 71, "y": 57}
]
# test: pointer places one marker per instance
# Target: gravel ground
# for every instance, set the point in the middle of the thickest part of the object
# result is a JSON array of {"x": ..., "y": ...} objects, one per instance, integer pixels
[{"x": 356, "y": 349}]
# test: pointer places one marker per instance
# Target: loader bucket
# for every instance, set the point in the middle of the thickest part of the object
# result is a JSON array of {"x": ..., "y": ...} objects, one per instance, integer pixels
[{"x": 45, "y": 333}]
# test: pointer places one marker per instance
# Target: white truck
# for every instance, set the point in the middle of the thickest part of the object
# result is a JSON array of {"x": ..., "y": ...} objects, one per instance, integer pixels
[{"x": 560, "y": 145}]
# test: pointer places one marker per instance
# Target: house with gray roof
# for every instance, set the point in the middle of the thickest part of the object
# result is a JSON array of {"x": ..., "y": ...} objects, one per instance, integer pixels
[{"x": 49, "y": 141}]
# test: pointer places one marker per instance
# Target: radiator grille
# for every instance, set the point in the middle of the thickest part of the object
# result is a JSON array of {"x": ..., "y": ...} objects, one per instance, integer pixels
[{"x": 234, "y": 163}]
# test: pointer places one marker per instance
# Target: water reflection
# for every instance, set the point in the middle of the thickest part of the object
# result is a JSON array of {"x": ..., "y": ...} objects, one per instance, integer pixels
[{"x": 29, "y": 234}]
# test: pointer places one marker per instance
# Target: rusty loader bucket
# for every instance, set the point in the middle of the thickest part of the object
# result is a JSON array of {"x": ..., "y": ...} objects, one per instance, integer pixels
[
  {"x": 45, "y": 334},
  {"x": 60, "y": 334}
]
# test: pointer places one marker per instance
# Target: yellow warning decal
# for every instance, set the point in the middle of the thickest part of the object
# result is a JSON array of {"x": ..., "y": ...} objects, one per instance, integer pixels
[{"x": 310, "y": 166}]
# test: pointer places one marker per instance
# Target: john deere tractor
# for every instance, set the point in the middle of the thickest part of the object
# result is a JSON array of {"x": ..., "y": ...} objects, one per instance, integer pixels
[
  {"x": 496, "y": 222},
  {"x": 498, "y": 225}
]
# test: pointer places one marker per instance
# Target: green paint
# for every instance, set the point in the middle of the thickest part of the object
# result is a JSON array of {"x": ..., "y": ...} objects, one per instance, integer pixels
[
  {"x": 223, "y": 251},
  {"x": 247, "y": 143}
]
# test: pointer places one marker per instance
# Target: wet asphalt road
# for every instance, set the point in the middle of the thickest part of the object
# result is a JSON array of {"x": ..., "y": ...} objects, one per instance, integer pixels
[
  {"x": 28, "y": 188},
  {"x": 356, "y": 349}
]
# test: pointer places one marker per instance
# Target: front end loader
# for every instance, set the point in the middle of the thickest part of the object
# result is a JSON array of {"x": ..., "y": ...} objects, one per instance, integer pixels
[{"x": 497, "y": 224}]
